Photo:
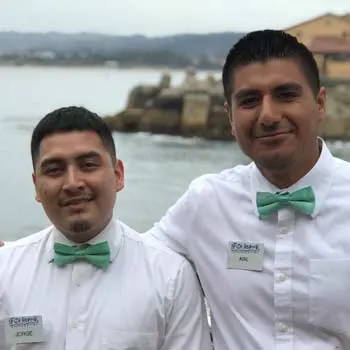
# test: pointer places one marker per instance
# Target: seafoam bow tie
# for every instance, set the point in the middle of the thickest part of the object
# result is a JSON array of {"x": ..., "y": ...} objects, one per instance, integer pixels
[
  {"x": 302, "y": 200},
  {"x": 96, "y": 254}
]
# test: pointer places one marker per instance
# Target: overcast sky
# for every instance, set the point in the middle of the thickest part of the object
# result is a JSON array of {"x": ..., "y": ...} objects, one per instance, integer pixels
[{"x": 160, "y": 17}]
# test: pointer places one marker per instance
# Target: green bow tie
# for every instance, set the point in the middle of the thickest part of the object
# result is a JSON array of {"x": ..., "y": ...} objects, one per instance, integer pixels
[
  {"x": 302, "y": 200},
  {"x": 96, "y": 254}
]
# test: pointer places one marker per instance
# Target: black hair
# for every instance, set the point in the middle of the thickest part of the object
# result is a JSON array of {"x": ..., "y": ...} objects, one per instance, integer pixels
[
  {"x": 68, "y": 119},
  {"x": 264, "y": 45}
]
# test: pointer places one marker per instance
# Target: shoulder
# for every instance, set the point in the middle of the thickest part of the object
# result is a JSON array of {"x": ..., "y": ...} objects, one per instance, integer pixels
[
  {"x": 341, "y": 173},
  {"x": 15, "y": 249},
  {"x": 342, "y": 164},
  {"x": 27, "y": 241},
  {"x": 226, "y": 177},
  {"x": 154, "y": 252}
]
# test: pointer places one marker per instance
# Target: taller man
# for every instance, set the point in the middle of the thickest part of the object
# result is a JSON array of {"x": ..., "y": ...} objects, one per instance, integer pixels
[
  {"x": 88, "y": 282},
  {"x": 270, "y": 240}
]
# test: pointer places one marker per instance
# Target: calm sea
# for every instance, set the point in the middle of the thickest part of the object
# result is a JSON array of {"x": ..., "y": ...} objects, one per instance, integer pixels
[{"x": 158, "y": 167}]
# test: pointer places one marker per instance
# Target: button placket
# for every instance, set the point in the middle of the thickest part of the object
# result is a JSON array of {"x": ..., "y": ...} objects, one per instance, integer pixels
[
  {"x": 282, "y": 327},
  {"x": 75, "y": 337},
  {"x": 282, "y": 279}
]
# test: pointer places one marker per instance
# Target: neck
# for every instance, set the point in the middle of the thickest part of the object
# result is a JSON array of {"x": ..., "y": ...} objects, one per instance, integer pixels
[
  {"x": 80, "y": 232},
  {"x": 288, "y": 175},
  {"x": 281, "y": 178}
]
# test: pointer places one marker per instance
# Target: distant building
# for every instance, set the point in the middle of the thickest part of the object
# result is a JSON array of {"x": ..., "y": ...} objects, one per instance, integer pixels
[
  {"x": 44, "y": 55},
  {"x": 328, "y": 37}
]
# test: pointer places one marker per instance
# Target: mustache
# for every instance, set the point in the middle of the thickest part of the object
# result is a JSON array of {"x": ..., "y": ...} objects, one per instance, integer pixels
[
  {"x": 263, "y": 130},
  {"x": 260, "y": 134},
  {"x": 63, "y": 202}
]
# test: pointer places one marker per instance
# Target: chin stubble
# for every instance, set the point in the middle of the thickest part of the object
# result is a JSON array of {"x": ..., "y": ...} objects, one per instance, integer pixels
[{"x": 80, "y": 226}]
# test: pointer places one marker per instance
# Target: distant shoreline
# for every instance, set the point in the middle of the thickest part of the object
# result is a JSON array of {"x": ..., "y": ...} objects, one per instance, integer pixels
[{"x": 104, "y": 66}]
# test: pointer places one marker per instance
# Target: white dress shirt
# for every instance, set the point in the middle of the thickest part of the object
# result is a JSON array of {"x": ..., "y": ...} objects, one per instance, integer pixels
[
  {"x": 300, "y": 300},
  {"x": 148, "y": 298}
]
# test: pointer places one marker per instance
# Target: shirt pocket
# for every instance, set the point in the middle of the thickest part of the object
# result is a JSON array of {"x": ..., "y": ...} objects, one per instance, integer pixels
[
  {"x": 129, "y": 340},
  {"x": 329, "y": 287}
]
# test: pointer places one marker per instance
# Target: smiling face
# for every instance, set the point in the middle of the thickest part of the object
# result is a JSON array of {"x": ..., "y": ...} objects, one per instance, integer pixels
[
  {"x": 275, "y": 116},
  {"x": 76, "y": 181}
]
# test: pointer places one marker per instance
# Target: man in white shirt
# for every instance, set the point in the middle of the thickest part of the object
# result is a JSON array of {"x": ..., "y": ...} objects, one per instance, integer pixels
[
  {"x": 88, "y": 282},
  {"x": 270, "y": 240}
]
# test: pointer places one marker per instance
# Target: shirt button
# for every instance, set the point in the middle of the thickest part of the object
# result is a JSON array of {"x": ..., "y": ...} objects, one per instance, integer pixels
[
  {"x": 282, "y": 327},
  {"x": 74, "y": 324},
  {"x": 281, "y": 277},
  {"x": 283, "y": 230}
]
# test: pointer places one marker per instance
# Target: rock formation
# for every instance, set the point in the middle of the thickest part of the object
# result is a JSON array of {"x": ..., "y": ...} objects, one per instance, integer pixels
[{"x": 195, "y": 108}]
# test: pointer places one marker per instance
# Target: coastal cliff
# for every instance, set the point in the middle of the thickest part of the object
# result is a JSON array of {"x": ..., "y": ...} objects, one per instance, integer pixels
[{"x": 195, "y": 108}]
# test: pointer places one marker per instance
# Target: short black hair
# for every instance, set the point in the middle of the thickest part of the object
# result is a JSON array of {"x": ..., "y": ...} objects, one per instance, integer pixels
[
  {"x": 68, "y": 119},
  {"x": 264, "y": 45}
]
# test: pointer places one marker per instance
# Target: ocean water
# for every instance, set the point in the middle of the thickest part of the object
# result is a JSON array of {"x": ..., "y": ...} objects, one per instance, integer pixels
[{"x": 158, "y": 167}]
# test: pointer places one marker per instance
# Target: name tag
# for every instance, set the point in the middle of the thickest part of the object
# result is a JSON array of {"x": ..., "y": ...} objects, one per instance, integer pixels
[
  {"x": 24, "y": 329},
  {"x": 245, "y": 256}
]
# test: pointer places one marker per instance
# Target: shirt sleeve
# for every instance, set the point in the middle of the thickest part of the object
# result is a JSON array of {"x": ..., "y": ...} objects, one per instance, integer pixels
[
  {"x": 3, "y": 310},
  {"x": 186, "y": 317},
  {"x": 3, "y": 315},
  {"x": 175, "y": 228}
]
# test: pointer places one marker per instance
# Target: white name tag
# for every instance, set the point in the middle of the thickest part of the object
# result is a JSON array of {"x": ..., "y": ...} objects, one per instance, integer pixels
[
  {"x": 24, "y": 329},
  {"x": 245, "y": 256}
]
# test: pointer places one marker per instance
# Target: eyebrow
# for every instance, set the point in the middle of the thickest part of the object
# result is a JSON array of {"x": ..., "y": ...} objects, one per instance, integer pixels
[
  {"x": 283, "y": 87},
  {"x": 245, "y": 92},
  {"x": 49, "y": 161},
  {"x": 83, "y": 156},
  {"x": 288, "y": 87},
  {"x": 91, "y": 154}
]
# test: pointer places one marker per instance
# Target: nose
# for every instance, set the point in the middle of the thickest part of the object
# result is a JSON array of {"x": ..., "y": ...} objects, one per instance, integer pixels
[
  {"x": 73, "y": 181},
  {"x": 270, "y": 115}
]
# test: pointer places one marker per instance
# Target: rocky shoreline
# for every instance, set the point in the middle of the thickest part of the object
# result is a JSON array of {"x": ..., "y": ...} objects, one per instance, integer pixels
[{"x": 195, "y": 108}]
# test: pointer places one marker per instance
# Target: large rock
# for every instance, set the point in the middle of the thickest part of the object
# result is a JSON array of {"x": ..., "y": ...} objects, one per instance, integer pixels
[
  {"x": 128, "y": 120},
  {"x": 195, "y": 113},
  {"x": 141, "y": 95},
  {"x": 337, "y": 122},
  {"x": 218, "y": 126},
  {"x": 160, "y": 121},
  {"x": 168, "y": 99},
  {"x": 195, "y": 107}
]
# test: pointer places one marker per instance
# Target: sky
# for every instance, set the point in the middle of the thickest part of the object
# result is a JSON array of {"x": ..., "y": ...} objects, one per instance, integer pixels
[{"x": 160, "y": 17}]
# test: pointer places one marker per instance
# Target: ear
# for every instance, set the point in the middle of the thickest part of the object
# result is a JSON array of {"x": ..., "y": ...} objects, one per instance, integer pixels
[
  {"x": 119, "y": 172},
  {"x": 37, "y": 197},
  {"x": 228, "y": 110},
  {"x": 321, "y": 102}
]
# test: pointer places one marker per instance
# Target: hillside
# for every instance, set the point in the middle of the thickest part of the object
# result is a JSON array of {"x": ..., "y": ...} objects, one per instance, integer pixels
[{"x": 200, "y": 50}]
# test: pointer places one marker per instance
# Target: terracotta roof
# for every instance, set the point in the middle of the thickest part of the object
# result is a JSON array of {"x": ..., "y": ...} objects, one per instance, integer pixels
[
  {"x": 345, "y": 17},
  {"x": 328, "y": 14},
  {"x": 329, "y": 44}
]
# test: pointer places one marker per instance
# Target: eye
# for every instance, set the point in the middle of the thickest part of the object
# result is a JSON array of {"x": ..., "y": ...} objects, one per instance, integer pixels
[
  {"x": 52, "y": 170},
  {"x": 249, "y": 102},
  {"x": 90, "y": 164},
  {"x": 287, "y": 95}
]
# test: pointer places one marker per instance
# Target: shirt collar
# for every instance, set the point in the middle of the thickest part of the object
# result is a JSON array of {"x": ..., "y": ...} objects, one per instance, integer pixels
[
  {"x": 112, "y": 233},
  {"x": 319, "y": 177}
]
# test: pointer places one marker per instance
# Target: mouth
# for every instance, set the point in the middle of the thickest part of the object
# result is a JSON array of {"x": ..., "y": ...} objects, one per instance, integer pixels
[
  {"x": 272, "y": 135},
  {"x": 72, "y": 202}
]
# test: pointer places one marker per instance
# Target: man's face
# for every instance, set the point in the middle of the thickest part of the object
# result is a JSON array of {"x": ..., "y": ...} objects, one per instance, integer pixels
[
  {"x": 76, "y": 182},
  {"x": 274, "y": 114}
]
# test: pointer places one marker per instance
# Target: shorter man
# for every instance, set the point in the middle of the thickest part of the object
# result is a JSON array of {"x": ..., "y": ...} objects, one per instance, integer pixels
[{"x": 95, "y": 284}]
